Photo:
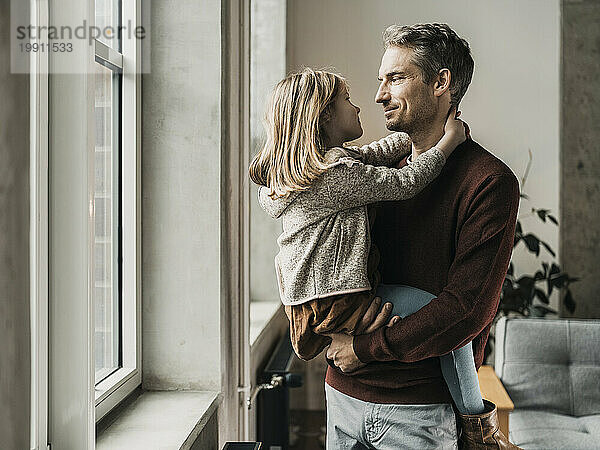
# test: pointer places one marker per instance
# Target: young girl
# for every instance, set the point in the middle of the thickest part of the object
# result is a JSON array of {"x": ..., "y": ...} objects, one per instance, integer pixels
[{"x": 323, "y": 192}]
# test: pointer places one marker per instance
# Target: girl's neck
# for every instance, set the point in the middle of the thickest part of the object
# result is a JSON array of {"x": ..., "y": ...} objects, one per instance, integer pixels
[{"x": 335, "y": 142}]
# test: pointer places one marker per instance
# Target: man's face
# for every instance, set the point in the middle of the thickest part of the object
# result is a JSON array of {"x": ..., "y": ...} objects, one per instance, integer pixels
[{"x": 409, "y": 104}]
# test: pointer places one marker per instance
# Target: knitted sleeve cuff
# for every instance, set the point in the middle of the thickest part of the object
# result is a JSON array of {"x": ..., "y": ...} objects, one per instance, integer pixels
[
  {"x": 363, "y": 344},
  {"x": 441, "y": 153}
]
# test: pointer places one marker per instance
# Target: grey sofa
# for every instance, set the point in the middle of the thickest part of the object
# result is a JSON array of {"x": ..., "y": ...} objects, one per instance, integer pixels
[{"x": 551, "y": 370}]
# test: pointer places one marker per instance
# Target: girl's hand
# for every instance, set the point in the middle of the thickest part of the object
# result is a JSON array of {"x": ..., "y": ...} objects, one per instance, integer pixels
[{"x": 455, "y": 133}]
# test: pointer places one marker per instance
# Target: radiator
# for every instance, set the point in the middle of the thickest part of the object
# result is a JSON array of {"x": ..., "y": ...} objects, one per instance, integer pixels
[{"x": 273, "y": 400}]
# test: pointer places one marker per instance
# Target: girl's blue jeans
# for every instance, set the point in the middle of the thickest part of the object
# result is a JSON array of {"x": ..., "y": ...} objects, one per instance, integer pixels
[{"x": 458, "y": 367}]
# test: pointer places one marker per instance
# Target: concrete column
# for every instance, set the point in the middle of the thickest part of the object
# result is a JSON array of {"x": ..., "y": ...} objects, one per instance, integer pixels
[
  {"x": 580, "y": 155},
  {"x": 181, "y": 165},
  {"x": 14, "y": 248}
]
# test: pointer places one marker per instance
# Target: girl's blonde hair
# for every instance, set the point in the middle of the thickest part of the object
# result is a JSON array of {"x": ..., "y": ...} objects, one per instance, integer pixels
[{"x": 292, "y": 157}]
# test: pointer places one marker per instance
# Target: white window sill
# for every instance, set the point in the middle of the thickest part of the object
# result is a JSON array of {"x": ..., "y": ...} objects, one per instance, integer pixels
[
  {"x": 261, "y": 314},
  {"x": 113, "y": 389},
  {"x": 160, "y": 419}
]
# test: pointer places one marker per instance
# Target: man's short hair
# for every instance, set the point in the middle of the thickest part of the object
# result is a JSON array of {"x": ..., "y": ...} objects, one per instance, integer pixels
[{"x": 435, "y": 46}]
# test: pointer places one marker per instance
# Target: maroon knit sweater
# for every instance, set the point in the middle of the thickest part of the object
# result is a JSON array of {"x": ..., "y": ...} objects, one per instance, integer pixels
[{"x": 454, "y": 239}]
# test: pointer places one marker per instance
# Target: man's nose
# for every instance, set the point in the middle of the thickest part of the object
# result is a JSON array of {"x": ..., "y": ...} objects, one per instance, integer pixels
[{"x": 382, "y": 94}]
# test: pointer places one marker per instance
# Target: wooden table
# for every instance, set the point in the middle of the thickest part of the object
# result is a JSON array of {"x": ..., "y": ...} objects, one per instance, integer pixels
[{"x": 492, "y": 389}]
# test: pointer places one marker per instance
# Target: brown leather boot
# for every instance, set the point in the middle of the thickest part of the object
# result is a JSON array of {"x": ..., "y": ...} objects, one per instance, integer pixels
[{"x": 481, "y": 431}]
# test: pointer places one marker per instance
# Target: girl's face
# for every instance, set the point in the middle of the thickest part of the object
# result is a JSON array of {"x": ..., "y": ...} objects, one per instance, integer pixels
[{"x": 343, "y": 124}]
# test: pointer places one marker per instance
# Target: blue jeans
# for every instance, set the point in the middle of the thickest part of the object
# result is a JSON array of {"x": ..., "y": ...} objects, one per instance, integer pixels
[
  {"x": 458, "y": 367},
  {"x": 354, "y": 424}
]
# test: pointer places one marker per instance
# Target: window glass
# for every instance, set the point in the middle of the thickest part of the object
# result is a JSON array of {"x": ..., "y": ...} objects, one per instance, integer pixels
[
  {"x": 106, "y": 291},
  {"x": 267, "y": 67},
  {"x": 108, "y": 19}
]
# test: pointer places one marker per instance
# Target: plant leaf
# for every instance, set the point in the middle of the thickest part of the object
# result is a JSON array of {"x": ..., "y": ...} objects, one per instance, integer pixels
[
  {"x": 552, "y": 219},
  {"x": 539, "y": 275},
  {"x": 545, "y": 266},
  {"x": 547, "y": 247},
  {"x": 525, "y": 288},
  {"x": 525, "y": 196},
  {"x": 569, "y": 302},
  {"x": 511, "y": 269},
  {"x": 560, "y": 280},
  {"x": 510, "y": 299},
  {"x": 533, "y": 243},
  {"x": 542, "y": 214},
  {"x": 519, "y": 228},
  {"x": 542, "y": 310},
  {"x": 542, "y": 296},
  {"x": 553, "y": 270},
  {"x": 526, "y": 280}
]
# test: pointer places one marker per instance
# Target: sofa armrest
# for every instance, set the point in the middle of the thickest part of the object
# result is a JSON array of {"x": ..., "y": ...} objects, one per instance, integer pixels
[{"x": 492, "y": 389}]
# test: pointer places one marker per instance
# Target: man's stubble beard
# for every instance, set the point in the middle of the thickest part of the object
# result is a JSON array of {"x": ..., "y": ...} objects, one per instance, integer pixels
[{"x": 420, "y": 124}]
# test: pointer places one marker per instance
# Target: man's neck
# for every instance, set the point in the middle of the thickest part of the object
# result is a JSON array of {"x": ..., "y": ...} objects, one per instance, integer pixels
[{"x": 421, "y": 142}]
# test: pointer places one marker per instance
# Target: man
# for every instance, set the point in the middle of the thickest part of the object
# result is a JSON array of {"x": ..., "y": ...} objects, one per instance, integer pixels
[{"x": 454, "y": 239}]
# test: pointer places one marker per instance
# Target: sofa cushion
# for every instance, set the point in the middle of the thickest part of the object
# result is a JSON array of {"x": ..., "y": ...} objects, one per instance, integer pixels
[
  {"x": 550, "y": 364},
  {"x": 534, "y": 429}
]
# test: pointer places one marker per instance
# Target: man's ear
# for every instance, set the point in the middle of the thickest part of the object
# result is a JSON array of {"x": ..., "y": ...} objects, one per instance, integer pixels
[{"x": 441, "y": 85}]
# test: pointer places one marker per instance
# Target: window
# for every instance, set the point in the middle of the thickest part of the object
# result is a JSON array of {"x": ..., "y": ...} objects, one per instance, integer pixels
[
  {"x": 115, "y": 296},
  {"x": 267, "y": 67},
  {"x": 107, "y": 201}
]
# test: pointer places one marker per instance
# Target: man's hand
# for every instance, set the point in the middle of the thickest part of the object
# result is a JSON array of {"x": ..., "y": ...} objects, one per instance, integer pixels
[
  {"x": 372, "y": 320},
  {"x": 341, "y": 351}
]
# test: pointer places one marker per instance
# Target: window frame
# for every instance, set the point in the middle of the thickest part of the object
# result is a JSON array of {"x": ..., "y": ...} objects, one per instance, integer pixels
[
  {"x": 54, "y": 386},
  {"x": 122, "y": 382},
  {"x": 39, "y": 238}
]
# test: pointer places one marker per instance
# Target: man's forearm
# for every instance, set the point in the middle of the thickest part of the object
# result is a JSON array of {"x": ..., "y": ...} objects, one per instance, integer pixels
[{"x": 425, "y": 336}]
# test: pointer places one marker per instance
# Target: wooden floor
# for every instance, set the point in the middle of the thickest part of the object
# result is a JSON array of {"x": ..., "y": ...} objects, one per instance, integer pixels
[{"x": 307, "y": 430}]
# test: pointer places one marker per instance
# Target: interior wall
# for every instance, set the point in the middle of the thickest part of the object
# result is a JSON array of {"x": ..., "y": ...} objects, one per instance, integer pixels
[
  {"x": 14, "y": 248},
  {"x": 580, "y": 159},
  {"x": 512, "y": 105},
  {"x": 181, "y": 160}
]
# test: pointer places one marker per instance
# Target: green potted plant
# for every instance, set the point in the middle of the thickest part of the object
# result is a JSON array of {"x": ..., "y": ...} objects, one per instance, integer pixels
[{"x": 528, "y": 294}]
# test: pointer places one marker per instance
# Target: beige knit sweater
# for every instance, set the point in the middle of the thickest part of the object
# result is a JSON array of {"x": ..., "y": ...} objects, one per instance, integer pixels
[{"x": 324, "y": 247}]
